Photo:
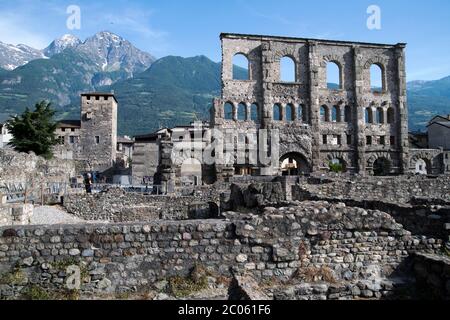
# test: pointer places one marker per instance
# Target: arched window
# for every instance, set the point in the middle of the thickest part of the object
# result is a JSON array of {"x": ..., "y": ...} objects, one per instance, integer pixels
[
  {"x": 277, "y": 114},
  {"x": 335, "y": 116},
  {"x": 376, "y": 78},
  {"x": 241, "y": 67},
  {"x": 380, "y": 115},
  {"x": 333, "y": 76},
  {"x": 242, "y": 112},
  {"x": 287, "y": 70},
  {"x": 290, "y": 112},
  {"x": 301, "y": 113},
  {"x": 390, "y": 115},
  {"x": 228, "y": 111},
  {"x": 254, "y": 114},
  {"x": 369, "y": 115},
  {"x": 347, "y": 114},
  {"x": 324, "y": 114}
]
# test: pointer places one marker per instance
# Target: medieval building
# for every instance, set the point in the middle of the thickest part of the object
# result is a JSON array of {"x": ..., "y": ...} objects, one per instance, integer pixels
[{"x": 91, "y": 140}]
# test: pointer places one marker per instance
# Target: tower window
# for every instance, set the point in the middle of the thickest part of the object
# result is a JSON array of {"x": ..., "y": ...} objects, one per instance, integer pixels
[
  {"x": 97, "y": 139},
  {"x": 369, "y": 140}
]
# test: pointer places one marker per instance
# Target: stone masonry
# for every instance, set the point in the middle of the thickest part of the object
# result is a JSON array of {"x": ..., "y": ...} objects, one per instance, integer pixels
[
  {"x": 93, "y": 140},
  {"x": 284, "y": 244},
  {"x": 325, "y": 124}
]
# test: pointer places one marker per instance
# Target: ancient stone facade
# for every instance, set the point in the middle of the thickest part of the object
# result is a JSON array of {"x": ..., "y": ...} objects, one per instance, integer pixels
[
  {"x": 94, "y": 140},
  {"x": 353, "y": 124}
]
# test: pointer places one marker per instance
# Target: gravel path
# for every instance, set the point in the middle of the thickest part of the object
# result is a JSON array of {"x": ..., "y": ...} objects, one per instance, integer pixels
[{"x": 54, "y": 215}]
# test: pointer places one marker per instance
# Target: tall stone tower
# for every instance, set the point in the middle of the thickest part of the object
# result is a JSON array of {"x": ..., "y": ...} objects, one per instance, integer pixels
[{"x": 98, "y": 134}]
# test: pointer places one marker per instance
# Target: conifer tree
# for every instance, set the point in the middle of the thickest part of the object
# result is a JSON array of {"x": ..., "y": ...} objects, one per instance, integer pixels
[{"x": 34, "y": 130}]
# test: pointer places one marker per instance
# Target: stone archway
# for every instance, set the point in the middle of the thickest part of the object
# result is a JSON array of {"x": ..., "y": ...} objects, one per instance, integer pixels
[
  {"x": 191, "y": 172},
  {"x": 422, "y": 163},
  {"x": 382, "y": 167},
  {"x": 422, "y": 166},
  {"x": 337, "y": 158},
  {"x": 294, "y": 164}
]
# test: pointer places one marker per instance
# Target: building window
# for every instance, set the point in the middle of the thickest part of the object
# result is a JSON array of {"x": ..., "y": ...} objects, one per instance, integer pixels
[
  {"x": 63, "y": 129},
  {"x": 390, "y": 115},
  {"x": 347, "y": 114},
  {"x": 376, "y": 78},
  {"x": 241, "y": 67},
  {"x": 380, "y": 115},
  {"x": 369, "y": 115},
  {"x": 383, "y": 140},
  {"x": 339, "y": 140},
  {"x": 61, "y": 140},
  {"x": 277, "y": 112},
  {"x": 349, "y": 139},
  {"x": 242, "y": 112},
  {"x": 73, "y": 130},
  {"x": 324, "y": 139},
  {"x": 324, "y": 114},
  {"x": 287, "y": 69},
  {"x": 254, "y": 114},
  {"x": 369, "y": 140},
  {"x": 335, "y": 114},
  {"x": 228, "y": 111},
  {"x": 72, "y": 139},
  {"x": 290, "y": 112},
  {"x": 334, "y": 78},
  {"x": 392, "y": 140},
  {"x": 97, "y": 139}
]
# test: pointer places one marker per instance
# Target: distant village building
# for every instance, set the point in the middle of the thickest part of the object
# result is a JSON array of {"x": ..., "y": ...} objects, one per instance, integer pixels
[
  {"x": 439, "y": 132},
  {"x": 125, "y": 147},
  {"x": 176, "y": 152},
  {"x": 5, "y": 136},
  {"x": 92, "y": 139},
  {"x": 430, "y": 151}
]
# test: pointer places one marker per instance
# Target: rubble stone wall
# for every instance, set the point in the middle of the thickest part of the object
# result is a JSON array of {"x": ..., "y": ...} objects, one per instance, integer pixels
[
  {"x": 18, "y": 167},
  {"x": 119, "y": 206},
  {"x": 400, "y": 189},
  {"x": 433, "y": 275},
  {"x": 284, "y": 243}
]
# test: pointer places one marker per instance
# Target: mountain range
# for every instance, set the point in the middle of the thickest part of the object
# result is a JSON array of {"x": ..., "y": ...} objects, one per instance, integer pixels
[{"x": 151, "y": 93}]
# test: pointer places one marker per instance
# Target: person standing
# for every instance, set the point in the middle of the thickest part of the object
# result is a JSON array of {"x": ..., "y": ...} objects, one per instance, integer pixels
[{"x": 88, "y": 183}]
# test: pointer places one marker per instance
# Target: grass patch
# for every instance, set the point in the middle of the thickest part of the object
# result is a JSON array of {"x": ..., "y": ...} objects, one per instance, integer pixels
[
  {"x": 16, "y": 277},
  {"x": 36, "y": 293},
  {"x": 197, "y": 281}
]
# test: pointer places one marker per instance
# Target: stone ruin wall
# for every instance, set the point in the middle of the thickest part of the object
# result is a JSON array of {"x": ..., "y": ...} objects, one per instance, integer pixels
[
  {"x": 21, "y": 168},
  {"x": 401, "y": 189},
  {"x": 309, "y": 92},
  {"x": 115, "y": 205},
  {"x": 359, "y": 249}
]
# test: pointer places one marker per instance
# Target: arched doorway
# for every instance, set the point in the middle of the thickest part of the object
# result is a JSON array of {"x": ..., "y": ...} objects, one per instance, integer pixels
[
  {"x": 191, "y": 172},
  {"x": 423, "y": 166},
  {"x": 294, "y": 164},
  {"x": 337, "y": 165},
  {"x": 382, "y": 167}
]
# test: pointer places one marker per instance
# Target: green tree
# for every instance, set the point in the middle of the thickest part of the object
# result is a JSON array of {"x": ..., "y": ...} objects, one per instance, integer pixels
[{"x": 34, "y": 130}]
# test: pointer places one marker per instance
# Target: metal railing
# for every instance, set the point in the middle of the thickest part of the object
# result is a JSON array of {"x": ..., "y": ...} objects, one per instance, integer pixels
[{"x": 39, "y": 192}]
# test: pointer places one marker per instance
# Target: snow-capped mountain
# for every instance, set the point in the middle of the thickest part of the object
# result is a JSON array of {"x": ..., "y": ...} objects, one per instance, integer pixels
[
  {"x": 13, "y": 56},
  {"x": 113, "y": 53},
  {"x": 108, "y": 52},
  {"x": 61, "y": 44}
]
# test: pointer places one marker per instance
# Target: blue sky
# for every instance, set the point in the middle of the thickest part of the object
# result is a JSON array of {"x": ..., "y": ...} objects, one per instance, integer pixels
[{"x": 192, "y": 27}]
